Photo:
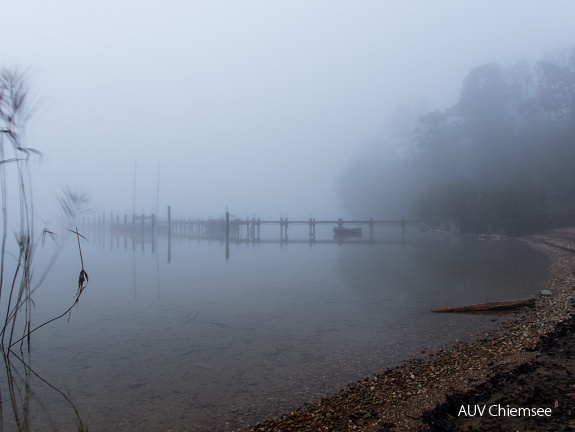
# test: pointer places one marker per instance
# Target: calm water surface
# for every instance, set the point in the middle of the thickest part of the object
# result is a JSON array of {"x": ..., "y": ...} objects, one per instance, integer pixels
[{"x": 201, "y": 343}]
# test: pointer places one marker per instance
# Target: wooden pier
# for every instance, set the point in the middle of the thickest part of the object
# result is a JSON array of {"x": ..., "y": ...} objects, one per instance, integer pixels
[
  {"x": 250, "y": 229},
  {"x": 141, "y": 230},
  {"x": 227, "y": 227}
]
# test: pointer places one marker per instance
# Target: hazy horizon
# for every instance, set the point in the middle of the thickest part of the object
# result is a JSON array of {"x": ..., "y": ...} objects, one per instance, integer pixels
[{"x": 255, "y": 106}]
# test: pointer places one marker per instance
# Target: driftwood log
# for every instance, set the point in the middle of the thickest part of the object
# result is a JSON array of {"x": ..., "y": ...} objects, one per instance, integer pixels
[{"x": 509, "y": 304}]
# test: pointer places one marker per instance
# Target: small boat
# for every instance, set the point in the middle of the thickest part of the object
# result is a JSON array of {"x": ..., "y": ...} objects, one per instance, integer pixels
[{"x": 346, "y": 232}]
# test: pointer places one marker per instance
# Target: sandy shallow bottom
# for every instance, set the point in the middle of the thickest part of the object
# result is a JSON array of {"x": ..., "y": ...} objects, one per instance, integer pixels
[{"x": 404, "y": 398}]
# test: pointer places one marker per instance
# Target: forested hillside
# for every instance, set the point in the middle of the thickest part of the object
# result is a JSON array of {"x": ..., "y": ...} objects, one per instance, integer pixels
[{"x": 501, "y": 159}]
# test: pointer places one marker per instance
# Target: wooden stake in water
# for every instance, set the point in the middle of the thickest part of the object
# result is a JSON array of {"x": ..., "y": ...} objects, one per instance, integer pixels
[{"x": 227, "y": 234}]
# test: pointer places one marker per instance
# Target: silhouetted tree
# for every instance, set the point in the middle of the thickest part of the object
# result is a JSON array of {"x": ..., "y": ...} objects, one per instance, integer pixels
[
  {"x": 556, "y": 90},
  {"x": 462, "y": 162}
]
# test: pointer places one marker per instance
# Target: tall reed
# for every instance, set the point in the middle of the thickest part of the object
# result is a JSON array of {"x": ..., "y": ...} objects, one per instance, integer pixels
[{"x": 17, "y": 287}]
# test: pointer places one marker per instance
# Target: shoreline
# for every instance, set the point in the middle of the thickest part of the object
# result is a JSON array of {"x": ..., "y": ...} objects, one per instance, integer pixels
[{"x": 403, "y": 398}]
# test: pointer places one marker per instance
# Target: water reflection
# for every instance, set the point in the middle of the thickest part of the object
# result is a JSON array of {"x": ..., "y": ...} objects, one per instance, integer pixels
[
  {"x": 25, "y": 387},
  {"x": 470, "y": 270},
  {"x": 144, "y": 232},
  {"x": 194, "y": 343}
]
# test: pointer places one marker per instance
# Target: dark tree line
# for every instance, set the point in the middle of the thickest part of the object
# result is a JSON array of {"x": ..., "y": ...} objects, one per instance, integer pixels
[{"x": 499, "y": 160}]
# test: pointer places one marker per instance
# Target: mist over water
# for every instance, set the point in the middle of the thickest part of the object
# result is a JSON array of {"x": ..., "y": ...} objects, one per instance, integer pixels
[
  {"x": 259, "y": 107},
  {"x": 200, "y": 342},
  {"x": 460, "y": 113}
]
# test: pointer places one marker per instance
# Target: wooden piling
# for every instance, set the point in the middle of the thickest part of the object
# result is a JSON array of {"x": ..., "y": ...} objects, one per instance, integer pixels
[
  {"x": 311, "y": 233},
  {"x": 133, "y": 231},
  {"x": 227, "y": 234}
]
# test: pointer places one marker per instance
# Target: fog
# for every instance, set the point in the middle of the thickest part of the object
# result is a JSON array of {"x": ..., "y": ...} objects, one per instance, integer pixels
[{"x": 257, "y": 106}]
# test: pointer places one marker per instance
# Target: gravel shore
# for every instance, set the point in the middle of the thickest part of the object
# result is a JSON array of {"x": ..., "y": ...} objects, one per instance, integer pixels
[{"x": 505, "y": 367}]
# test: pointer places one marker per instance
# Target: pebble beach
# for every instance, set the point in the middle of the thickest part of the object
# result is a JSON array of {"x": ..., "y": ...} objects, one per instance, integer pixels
[{"x": 426, "y": 393}]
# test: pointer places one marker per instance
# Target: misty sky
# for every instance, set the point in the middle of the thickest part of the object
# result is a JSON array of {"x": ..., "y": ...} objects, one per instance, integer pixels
[{"x": 255, "y": 105}]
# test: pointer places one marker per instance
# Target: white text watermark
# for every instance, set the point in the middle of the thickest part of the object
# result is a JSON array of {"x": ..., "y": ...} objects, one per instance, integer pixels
[{"x": 502, "y": 411}]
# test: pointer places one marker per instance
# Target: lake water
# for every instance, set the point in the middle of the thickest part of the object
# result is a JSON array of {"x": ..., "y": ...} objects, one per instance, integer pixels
[{"x": 197, "y": 342}]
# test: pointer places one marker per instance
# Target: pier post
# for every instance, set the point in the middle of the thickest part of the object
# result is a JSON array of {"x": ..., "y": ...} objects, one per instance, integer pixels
[
  {"x": 227, "y": 225},
  {"x": 125, "y": 231},
  {"x": 340, "y": 223},
  {"x": 311, "y": 229},
  {"x": 133, "y": 231},
  {"x": 371, "y": 228},
  {"x": 227, "y": 235}
]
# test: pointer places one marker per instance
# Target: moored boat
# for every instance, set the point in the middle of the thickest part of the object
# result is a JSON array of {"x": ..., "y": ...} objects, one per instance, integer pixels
[{"x": 346, "y": 232}]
